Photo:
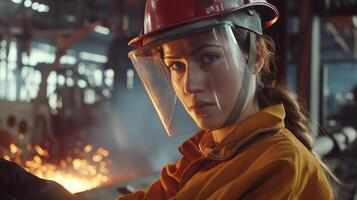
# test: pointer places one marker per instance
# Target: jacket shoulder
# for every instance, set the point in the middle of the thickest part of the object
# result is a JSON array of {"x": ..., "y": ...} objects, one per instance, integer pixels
[
  {"x": 302, "y": 169},
  {"x": 283, "y": 145}
]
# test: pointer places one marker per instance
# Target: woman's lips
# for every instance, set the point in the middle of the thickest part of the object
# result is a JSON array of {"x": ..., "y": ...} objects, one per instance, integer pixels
[{"x": 201, "y": 107}]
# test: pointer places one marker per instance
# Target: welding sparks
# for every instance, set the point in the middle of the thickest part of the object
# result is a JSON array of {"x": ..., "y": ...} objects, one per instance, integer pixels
[
  {"x": 75, "y": 174},
  {"x": 88, "y": 148},
  {"x": 13, "y": 148},
  {"x": 40, "y": 151}
]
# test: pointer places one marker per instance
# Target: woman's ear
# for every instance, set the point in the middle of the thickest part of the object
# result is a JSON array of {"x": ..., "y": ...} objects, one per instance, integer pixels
[{"x": 258, "y": 64}]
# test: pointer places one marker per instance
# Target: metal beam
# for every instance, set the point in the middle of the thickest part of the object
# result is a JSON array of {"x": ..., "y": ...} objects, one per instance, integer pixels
[
  {"x": 304, "y": 56},
  {"x": 315, "y": 81}
]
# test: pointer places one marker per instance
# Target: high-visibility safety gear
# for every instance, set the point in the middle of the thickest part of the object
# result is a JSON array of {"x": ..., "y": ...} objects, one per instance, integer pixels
[
  {"x": 259, "y": 159},
  {"x": 161, "y": 15},
  {"x": 196, "y": 59}
]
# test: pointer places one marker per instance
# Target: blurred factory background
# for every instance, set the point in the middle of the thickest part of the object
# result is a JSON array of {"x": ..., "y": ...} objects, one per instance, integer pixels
[{"x": 73, "y": 109}]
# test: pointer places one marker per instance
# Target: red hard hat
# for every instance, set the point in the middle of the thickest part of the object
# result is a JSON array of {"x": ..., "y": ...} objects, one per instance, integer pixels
[{"x": 165, "y": 14}]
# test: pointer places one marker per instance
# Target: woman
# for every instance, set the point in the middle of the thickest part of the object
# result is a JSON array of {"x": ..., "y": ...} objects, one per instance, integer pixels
[{"x": 208, "y": 70}]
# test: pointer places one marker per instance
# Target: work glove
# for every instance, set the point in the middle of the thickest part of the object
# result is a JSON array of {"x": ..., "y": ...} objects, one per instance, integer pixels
[{"x": 18, "y": 184}]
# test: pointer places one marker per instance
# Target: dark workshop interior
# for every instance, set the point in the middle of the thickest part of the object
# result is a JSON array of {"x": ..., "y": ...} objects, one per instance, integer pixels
[{"x": 73, "y": 109}]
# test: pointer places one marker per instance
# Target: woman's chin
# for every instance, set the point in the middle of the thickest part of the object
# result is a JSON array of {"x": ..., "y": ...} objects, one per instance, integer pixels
[{"x": 206, "y": 123}]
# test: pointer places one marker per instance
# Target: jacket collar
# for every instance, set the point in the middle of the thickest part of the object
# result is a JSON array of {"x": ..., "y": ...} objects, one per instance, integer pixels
[{"x": 270, "y": 119}]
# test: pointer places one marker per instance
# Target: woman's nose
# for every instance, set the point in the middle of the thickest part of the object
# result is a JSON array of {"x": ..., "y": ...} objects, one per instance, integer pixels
[{"x": 195, "y": 79}]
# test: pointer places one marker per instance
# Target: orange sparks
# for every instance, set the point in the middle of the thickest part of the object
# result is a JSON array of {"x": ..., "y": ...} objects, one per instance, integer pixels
[
  {"x": 13, "y": 148},
  {"x": 75, "y": 174},
  {"x": 88, "y": 148},
  {"x": 41, "y": 151}
]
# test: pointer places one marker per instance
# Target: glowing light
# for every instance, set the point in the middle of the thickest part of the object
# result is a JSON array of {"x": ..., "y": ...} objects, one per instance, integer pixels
[
  {"x": 17, "y": 1},
  {"x": 69, "y": 82},
  {"x": 93, "y": 57},
  {"x": 43, "y": 8},
  {"x": 41, "y": 151},
  {"x": 61, "y": 80},
  {"x": 47, "y": 8},
  {"x": 97, "y": 158},
  {"x": 98, "y": 77},
  {"x": 38, "y": 7},
  {"x": 88, "y": 148},
  {"x": 109, "y": 73},
  {"x": 82, "y": 83},
  {"x": 28, "y": 3},
  {"x": 82, "y": 68},
  {"x": 75, "y": 174},
  {"x": 35, "y": 6},
  {"x": 106, "y": 93},
  {"x": 66, "y": 59},
  {"x": 6, "y": 157},
  {"x": 89, "y": 96},
  {"x": 102, "y": 30},
  {"x": 130, "y": 79},
  {"x": 13, "y": 148}
]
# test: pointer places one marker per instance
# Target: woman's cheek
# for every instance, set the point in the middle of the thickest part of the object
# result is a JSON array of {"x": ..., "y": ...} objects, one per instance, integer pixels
[{"x": 227, "y": 91}]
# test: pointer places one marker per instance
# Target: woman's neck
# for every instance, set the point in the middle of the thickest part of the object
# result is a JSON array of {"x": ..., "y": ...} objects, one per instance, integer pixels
[{"x": 251, "y": 108}]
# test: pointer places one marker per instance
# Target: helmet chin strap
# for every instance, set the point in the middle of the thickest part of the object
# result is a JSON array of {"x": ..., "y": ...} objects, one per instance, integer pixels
[{"x": 247, "y": 77}]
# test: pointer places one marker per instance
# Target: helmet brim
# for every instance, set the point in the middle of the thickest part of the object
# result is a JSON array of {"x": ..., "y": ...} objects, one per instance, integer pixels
[{"x": 268, "y": 13}]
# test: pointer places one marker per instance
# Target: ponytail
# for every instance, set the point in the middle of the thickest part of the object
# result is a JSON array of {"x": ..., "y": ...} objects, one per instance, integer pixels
[
  {"x": 269, "y": 93},
  {"x": 295, "y": 119}
]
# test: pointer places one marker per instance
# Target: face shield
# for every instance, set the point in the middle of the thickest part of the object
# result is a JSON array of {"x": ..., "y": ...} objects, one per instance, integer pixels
[{"x": 198, "y": 80}]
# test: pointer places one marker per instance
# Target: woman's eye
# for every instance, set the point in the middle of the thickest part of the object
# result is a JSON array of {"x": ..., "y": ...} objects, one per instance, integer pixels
[
  {"x": 177, "y": 66},
  {"x": 209, "y": 58}
]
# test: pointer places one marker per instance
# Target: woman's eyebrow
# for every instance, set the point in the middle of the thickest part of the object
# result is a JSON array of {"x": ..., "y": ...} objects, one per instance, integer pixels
[
  {"x": 198, "y": 49},
  {"x": 202, "y": 47},
  {"x": 170, "y": 57}
]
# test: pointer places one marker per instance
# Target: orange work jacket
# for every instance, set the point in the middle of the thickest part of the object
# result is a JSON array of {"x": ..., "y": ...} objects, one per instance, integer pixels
[{"x": 259, "y": 159}]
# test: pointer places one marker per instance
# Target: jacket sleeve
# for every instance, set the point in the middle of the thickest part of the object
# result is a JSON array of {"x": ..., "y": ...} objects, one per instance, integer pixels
[{"x": 164, "y": 188}]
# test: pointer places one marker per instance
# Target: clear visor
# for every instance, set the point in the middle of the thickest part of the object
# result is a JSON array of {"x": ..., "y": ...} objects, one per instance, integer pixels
[{"x": 197, "y": 81}]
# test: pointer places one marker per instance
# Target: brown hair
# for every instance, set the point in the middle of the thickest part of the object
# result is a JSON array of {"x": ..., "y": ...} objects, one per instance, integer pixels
[{"x": 270, "y": 92}]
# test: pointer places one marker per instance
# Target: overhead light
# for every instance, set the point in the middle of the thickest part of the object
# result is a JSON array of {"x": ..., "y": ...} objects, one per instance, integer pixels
[
  {"x": 109, "y": 73},
  {"x": 82, "y": 83},
  {"x": 28, "y": 3},
  {"x": 17, "y": 1},
  {"x": 43, "y": 8},
  {"x": 93, "y": 57},
  {"x": 47, "y": 8},
  {"x": 102, "y": 30},
  {"x": 35, "y": 6}
]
